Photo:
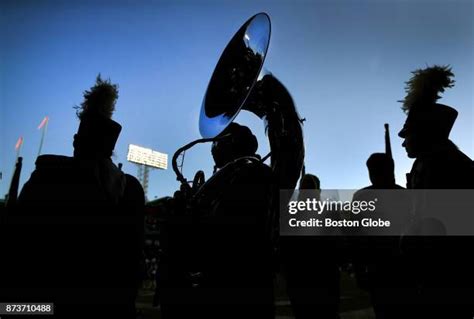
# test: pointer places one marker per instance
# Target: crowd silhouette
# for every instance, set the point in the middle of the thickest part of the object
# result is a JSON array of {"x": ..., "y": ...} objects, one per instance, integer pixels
[{"x": 75, "y": 236}]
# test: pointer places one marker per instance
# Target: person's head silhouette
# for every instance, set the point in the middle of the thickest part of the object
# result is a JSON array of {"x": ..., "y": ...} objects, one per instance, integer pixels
[
  {"x": 427, "y": 127},
  {"x": 310, "y": 181},
  {"x": 97, "y": 133},
  {"x": 310, "y": 187},
  {"x": 381, "y": 170},
  {"x": 428, "y": 123},
  {"x": 240, "y": 142}
]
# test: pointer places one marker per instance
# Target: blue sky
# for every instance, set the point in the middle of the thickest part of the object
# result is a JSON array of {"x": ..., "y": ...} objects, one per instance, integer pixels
[{"x": 344, "y": 62}]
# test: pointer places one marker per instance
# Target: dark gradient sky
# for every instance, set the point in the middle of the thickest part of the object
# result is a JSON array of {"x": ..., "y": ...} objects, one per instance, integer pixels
[{"x": 345, "y": 63}]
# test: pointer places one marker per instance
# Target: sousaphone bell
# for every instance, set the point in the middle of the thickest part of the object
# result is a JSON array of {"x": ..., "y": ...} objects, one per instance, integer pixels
[{"x": 239, "y": 83}]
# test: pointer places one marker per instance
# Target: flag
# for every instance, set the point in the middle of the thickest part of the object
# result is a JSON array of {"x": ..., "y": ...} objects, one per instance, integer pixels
[
  {"x": 43, "y": 122},
  {"x": 19, "y": 143}
]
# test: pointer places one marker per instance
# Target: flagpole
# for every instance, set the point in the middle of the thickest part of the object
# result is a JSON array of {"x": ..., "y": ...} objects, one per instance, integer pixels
[
  {"x": 15, "y": 181},
  {"x": 18, "y": 153},
  {"x": 44, "y": 126},
  {"x": 388, "y": 146},
  {"x": 18, "y": 146}
]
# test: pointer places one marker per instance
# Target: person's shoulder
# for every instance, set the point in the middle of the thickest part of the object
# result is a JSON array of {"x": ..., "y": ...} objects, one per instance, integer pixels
[
  {"x": 133, "y": 189},
  {"x": 463, "y": 158},
  {"x": 362, "y": 192},
  {"x": 52, "y": 167},
  {"x": 451, "y": 160},
  {"x": 371, "y": 191},
  {"x": 132, "y": 182},
  {"x": 54, "y": 161},
  {"x": 51, "y": 162},
  {"x": 252, "y": 167},
  {"x": 451, "y": 153},
  {"x": 52, "y": 172},
  {"x": 448, "y": 169}
]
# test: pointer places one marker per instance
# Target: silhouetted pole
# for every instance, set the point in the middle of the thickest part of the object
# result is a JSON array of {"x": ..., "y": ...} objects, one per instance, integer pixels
[
  {"x": 388, "y": 146},
  {"x": 44, "y": 126},
  {"x": 18, "y": 146},
  {"x": 13, "y": 191},
  {"x": 15, "y": 182},
  {"x": 143, "y": 177}
]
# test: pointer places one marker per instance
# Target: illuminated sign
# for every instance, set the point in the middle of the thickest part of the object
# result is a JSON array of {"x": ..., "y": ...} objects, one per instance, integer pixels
[{"x": 146, "y": 156}]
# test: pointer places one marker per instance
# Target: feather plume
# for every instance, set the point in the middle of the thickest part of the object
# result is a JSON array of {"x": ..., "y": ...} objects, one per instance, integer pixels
[
  {"x": 424, "y": 86},
  {"x": 99, "y": 100}
]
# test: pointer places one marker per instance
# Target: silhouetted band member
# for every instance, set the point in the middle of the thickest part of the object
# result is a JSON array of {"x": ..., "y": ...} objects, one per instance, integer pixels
[
  {"x": 381, "y": 172},
  {"x": 443, "y": 269},
  {"x": 84, "y": 220},
  {"x": 376, "y": 256},
  {"x": 227, "y": 246},
  {"x": 311, "y": 266},
  {"x": 439, "y": 163}
]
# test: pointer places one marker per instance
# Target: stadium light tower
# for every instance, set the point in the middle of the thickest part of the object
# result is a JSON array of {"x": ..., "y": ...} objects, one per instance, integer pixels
[{"x": 146, "y": 159}]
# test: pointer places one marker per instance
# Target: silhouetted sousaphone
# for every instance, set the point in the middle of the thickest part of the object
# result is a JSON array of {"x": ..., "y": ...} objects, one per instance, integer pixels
[
  {"x": 190, "y": 248},
  {"x": 239, "y": 83}
]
